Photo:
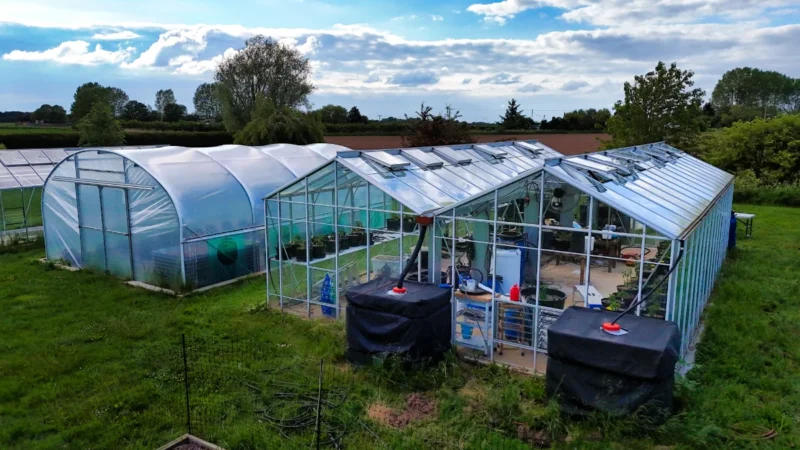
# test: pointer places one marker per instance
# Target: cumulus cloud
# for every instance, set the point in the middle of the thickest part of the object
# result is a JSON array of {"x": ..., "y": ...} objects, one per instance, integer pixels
[
  {"x": 466, "y": 81},
  {"x": 73, "y": 52},
  {"x": 501, "y": 78},
  {"x": 530, "y": 87},
  {"x": 617, "y": 12},
  {"x": 574, "y": 85},
  {"x": 437, "y": 18},
  {"x": 118, "y": 36},
  {"x": 414, "y": 78}
]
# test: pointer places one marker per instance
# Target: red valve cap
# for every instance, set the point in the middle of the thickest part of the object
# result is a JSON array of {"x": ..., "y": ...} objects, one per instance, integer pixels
[
  {"x": 608, "y": 326},
  {"x": 398, "y": 290}
]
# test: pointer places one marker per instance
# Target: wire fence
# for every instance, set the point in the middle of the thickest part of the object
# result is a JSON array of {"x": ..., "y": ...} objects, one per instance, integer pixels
[{"x": 237, "y": 395}]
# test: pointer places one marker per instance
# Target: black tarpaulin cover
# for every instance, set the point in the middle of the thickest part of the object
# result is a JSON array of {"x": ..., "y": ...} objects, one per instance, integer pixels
[
  {"x": 415, "y": 325},
  {"x": 592, "y": 370}
]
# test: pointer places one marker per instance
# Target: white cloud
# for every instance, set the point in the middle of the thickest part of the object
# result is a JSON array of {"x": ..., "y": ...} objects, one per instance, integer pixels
[
  {"x": 618, "y": 12},
  {"x": 118, "y": 36},
  {"x": 73, "y": 52},
  {"x": 437, "y": 18}
]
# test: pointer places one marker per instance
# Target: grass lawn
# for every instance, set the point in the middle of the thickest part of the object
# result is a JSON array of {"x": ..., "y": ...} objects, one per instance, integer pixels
[
  {"x": 10, "y": 128},
  {"x": 90, "y": 363}
]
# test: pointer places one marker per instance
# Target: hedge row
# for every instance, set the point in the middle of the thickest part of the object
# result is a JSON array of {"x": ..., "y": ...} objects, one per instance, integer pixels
[
  {"x": 183, "y": 125},
  {"x": 70, "y": 139},
  {"x": 781, "y": 195}
]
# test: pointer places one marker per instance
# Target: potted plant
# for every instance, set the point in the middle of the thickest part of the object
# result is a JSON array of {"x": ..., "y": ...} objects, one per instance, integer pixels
[
  {"x": 318, "y": 247},
  {"x": 344, "y": 242},
  {"x": 551, "y": 297},
  {"x": 283, "y": 252},
  {"x": 300, "y": 253},
  {"x": 330, "y": 243},
  {"x": 409, "y": 223},
  {"x": 393, "y": 222},
  {"x": 362, "y": 236}
]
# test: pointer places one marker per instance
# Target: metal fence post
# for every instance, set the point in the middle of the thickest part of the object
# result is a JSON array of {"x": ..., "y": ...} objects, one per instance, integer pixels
[
  {"x": 319, "y": 403},
  {"x": 186, "y": 383}
]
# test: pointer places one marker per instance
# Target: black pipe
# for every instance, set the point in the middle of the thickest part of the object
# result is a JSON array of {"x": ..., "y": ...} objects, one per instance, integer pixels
[{"x": 414, "y": 255}]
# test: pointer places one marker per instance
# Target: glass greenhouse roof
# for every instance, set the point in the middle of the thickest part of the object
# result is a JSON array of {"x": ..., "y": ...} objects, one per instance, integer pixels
[
  {"x": 30, "y": 167},
  {"x": 430, "y": 178},
  {"x": 661, "y": 186}
]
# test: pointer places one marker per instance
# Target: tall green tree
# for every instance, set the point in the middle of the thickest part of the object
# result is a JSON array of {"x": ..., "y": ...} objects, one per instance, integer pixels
[
  {"x": 174, "y": 112},
  {"x": 100, "y": 128},
  {"x": 767, "y": 91},
  {"x": 84, "y": 99},
  {"x": 333, "y": 114},
  {"x": 164, "y": 97},
  {"x": 660, "y": 105},
  {"x": 271, "y": 124},
  {"x": 279, "y": 73},
  {"x": 206, "y": 101},
  {"x": 514, "y": 119},
  {"x": 50, "y": 114},
  {"x": 354, "y": 115},
  {"x": 117, "y": 98},
  {"x": 134, "y": 110}
]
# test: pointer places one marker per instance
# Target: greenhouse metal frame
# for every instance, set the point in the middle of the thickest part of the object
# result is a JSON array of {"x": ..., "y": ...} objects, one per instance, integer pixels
[
  {"x": 173, "y": 217},
  {"x": 596, "y": 230}
]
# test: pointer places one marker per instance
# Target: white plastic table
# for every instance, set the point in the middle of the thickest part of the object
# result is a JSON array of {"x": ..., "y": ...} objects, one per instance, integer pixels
[
  {"x": 747, "y": 220},
  {"x": 594, "y": 297}
]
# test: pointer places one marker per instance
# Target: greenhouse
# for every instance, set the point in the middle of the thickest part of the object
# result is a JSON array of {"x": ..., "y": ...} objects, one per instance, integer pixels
[
  {"x": 642, "y": 228},
  {"x": 22, "y": 174},
  {"x": 172, "y": 217}
]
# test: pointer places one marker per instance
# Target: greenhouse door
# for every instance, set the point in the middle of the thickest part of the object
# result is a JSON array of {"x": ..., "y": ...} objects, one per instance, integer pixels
[{"x": 105, "y": 229}]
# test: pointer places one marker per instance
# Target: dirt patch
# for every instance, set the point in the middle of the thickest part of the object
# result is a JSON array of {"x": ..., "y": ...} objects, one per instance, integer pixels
[
  {"x": 568, "y": 144},
  {"x": 533, "y": 437},
  {"x": 417, "y": 407}
]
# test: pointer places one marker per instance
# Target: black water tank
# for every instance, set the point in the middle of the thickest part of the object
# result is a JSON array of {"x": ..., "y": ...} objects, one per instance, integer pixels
[
  {"x": 415, "y": 325},
  {"x": 591, "y": 370}
]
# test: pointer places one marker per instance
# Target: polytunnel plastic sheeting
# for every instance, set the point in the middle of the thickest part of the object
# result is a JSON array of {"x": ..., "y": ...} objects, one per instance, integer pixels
[
  {"x": 299, "y": 159},
  {"x": 257, "y": 171},
  {"x": 155, "y": 231},
  {"x": 60, "y": 216},
  {"x": 208, "y": 199}
]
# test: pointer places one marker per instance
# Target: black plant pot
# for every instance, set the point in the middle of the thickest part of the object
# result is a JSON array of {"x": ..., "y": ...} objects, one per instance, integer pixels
[
  {"x": 353, "y": 240},
  {"x": 344, "y": 242},
  {"x": 285, "y": 254},
  {"x": 362, "y": 238},
  {"x": 553, "y": 298},
  {"x": 300, "y": 254},
  {"x": 393, "y": 224},
  {"x": 330, "y": 246},
  {"x": 408, "y": 225},
  {"x": 318, "y": 251}
]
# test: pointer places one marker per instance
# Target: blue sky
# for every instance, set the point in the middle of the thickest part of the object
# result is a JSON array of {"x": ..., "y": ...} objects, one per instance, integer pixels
[{"x": 388, "y": 57}]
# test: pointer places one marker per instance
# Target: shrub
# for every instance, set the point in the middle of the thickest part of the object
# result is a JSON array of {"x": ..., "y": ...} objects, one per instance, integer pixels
[
  {"x": 69, "y": 139},
  {"x": 272, "y": 125},
  {"x": 171, "y": 126}
]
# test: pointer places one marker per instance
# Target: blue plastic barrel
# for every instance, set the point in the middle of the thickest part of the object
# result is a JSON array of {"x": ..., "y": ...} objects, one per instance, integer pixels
[{"x": 732, "y": 233}]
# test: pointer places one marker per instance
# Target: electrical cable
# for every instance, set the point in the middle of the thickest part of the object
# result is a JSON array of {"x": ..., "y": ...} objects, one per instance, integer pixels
[
  {"x": 636, "y": 303},
  {"x": 412, "y": 261}
]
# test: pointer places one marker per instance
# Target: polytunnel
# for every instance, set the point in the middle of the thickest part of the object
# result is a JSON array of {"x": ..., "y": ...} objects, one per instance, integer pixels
[{"x": 175, "y": 217}]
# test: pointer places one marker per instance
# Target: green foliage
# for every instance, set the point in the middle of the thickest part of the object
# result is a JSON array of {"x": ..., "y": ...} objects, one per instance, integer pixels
[
  {"x": 271, "y": 125},
  {"x": 2, "y": 146},
  {"x": 164, "y": 97},
  {"x": 265, "y": 68},
  {"x": 660, "y": 105},
  {"x": 69, "y": 138},
  {"x": 513, "y": 119},
  {"x": 768, "y": 148},
  {"x": 579, "y": 120},
  {"x": 183, "y": 125},
  {"x": 118, "y": 99},
  {"x": 354, "y": 116},
  {"x": 428, "y": 129},
  {"x": 136, "y": 111},
  {"x": 85, "y": 98},
  {"x": 333, "y": 114},
  {"x": 206, "y": 102},
  {"x": 174, "y": 112},
  {"x": 49, "y": 114},
  {"x": 765, "y": 91},
  {"x": 99, "y": 128}
]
